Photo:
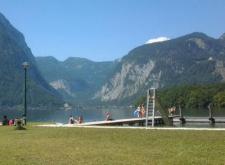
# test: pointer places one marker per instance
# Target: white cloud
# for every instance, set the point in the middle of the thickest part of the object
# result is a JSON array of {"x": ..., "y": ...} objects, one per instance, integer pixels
[{"x": 159, "y": 39}]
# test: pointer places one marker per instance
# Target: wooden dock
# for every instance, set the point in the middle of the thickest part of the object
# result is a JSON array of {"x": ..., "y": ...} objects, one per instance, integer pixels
[
  {"x": 138, "y": 122},
  {"x": 121, "y": 122},
  {"x": 158, "y": 121}
]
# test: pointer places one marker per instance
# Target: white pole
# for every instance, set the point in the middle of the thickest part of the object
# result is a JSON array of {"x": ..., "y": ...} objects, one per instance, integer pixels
[
  {"x": 146, "y": 122},
  {"x": 153, "y": 109}
]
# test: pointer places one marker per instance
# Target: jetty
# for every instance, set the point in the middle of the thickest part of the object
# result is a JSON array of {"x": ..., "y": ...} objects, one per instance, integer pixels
[
  {"x": 139, "y": 122},
  {"x": 158, "y": 120},
  {"x": 124, "y": 122}
]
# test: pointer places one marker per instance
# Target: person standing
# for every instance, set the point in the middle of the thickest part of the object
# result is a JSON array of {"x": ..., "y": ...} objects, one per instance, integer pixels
[
  {"x": 71, "y": 120},
  {"x": 142, "y": 110},
  {"x": 137, "y": 112},
  {"x": 5, "y": 120}
]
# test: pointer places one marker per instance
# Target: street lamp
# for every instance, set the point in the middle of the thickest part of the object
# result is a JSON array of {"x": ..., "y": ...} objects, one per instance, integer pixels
[{"x": 25, "y": 67}]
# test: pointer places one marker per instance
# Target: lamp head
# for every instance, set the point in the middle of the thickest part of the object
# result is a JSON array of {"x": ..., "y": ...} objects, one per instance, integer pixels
[{"x": 25, "y": 65}]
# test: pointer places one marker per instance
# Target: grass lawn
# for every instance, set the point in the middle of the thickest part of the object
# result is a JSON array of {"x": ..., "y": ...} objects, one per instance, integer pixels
[{"x": 109, "y": 146}]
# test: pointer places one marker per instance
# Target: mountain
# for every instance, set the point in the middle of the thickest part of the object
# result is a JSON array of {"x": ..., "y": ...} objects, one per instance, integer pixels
[
  {"x": 222, "y": 37},
  {"x": 13, "y": 52},
  {"x": 77, "y": 79},
  {"x": 191, "y": 59}
]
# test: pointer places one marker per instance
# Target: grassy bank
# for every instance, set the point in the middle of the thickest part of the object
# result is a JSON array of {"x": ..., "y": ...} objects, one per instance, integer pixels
[{"x": 90, "y": 146}]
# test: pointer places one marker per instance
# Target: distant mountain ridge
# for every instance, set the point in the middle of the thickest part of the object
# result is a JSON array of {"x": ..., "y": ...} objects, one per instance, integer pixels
[
  {"x": 13, "y": 52},
  {"x": 191, "y": 59},
  {"x": 77, "y": 79}
]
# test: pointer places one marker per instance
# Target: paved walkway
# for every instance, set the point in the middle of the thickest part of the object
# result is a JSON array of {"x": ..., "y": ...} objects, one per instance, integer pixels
[{"x": 130, "y": 127}]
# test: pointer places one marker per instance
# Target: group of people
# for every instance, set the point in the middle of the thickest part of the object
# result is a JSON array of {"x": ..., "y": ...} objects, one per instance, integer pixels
[
  {"x": 72, "y": 120},
  {"x": 80, "y": 119},
  {"x": 6, "y": 121},
  {"x": 140, "y": 111}
]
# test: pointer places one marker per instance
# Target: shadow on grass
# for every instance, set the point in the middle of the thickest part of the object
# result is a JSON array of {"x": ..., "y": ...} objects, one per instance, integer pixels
[{"x": 20, "y": 128}]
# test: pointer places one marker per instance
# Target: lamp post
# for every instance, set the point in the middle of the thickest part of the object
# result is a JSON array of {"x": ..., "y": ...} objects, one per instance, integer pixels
[{"x": 25, "y": 67}]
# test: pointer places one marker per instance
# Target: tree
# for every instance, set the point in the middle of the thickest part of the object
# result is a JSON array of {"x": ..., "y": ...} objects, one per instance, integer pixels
[{"x": 219, "y": 99}]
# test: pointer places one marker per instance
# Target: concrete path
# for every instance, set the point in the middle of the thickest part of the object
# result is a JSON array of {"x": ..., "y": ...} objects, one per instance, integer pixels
[{"x": 130, "y": 127}]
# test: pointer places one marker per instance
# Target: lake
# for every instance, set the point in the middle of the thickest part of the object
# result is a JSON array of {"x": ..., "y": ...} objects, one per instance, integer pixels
[
  {"x": 97, "y": 113},
  {"x": 61, "y": 116}
]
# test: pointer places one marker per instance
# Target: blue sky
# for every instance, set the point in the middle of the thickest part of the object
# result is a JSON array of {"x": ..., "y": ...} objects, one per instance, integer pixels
[{"x": 103, "y": 30}]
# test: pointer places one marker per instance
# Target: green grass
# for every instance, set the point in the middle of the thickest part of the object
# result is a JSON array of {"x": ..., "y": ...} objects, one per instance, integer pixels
[{"x": 89, "y": 146}]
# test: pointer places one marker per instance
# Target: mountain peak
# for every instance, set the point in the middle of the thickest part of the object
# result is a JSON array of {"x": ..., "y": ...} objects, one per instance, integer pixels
[
  {"x": 77, "y": 60},
  {"x": 197, "y": 35},
  {"x": 7, "y": 29}
]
